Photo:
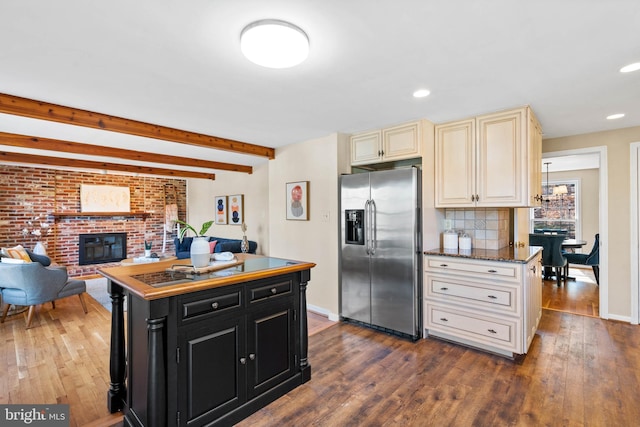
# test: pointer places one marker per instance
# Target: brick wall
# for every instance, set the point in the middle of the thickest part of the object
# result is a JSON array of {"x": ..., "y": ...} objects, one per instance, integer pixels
[{"x": 33, "y": 194}]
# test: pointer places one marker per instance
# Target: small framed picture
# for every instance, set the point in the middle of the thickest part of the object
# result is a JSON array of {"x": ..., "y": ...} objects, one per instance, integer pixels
[
  {"x": 297, "y": 199},
  {"x": 221, "y": 209},
  {"x": 236, "y": 209}
]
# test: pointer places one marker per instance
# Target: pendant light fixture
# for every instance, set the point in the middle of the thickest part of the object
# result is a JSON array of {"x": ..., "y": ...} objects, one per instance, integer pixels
[
  {"x": 546, "y": 193},
  {"x": 274, "y": 43}
]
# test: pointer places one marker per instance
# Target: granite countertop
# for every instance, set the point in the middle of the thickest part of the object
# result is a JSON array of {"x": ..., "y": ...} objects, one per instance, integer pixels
[{"x": 521, "y": 254}]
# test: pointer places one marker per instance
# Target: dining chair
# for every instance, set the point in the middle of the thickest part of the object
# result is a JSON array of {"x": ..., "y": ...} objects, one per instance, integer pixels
[
  {"x": 552, "y": 257},
  {"x": 592, "y": 259}
]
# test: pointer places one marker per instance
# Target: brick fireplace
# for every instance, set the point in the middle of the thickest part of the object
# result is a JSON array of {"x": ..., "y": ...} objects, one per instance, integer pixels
[{"x": 52, "y": 197}]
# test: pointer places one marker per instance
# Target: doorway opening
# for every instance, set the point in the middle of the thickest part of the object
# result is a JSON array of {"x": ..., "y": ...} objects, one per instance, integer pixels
[{"x": 588, "y": 167}]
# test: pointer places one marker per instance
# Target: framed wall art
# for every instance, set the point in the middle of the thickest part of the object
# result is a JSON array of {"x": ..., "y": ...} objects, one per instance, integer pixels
[
  {"x": 221, "y": 209},
  {"x": 236, "y": 209},
  {"x": 297, "y": 199},
  {"x": 104, "y": 198}
]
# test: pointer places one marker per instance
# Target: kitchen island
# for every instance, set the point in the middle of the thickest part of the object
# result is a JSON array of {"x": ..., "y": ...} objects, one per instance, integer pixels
[
  {"x": 206, "y": 348},
  {"x": 487, "y": 299}
]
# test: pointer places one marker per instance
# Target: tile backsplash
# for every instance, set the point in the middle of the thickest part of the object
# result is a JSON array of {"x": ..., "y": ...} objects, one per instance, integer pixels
[{"x": 487, "y": 227}]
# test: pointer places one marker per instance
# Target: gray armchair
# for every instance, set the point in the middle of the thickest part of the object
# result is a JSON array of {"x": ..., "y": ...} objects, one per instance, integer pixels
[{"x": 32, "y": 284}]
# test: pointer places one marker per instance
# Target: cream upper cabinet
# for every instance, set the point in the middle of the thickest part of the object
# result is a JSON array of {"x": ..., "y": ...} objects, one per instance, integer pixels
[
  {"x": 489, "y": 161},
  {"x": 394, "y": 143}
]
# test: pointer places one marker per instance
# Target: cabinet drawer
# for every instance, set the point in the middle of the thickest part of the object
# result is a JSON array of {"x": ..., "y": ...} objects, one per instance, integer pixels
[
  {"x": 477, "y": 269},
  {"x": 279, "y": 289},
  {"x": 482, "y": 329},
  {"x": 215, "y": 304},
  {"x": 502, "y": 298}
]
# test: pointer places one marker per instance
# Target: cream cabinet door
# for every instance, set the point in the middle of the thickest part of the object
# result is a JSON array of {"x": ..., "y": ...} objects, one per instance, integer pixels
[
  {"x": 502, "y": 175},
  {"x": 455, "y": 164},
  {"x": 366, "y": 148},
  {"x": 535, "y": 161},
  {"x": 402, "y": 142}
]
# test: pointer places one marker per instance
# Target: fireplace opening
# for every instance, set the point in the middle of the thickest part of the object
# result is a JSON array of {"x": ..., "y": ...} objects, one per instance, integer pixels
[{"x": 100, "y": 248}]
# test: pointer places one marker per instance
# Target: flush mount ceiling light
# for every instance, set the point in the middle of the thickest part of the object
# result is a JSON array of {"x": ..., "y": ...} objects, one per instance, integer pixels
[
  {"x": 615, "y": 116},
  {"x": 421, "y": 93},
  {"x": 274, "y": 44},
  {"x": 631, "y": 67}
]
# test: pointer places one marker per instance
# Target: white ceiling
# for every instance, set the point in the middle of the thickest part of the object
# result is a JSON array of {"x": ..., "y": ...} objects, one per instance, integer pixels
[{"x": 178, "y": 64}]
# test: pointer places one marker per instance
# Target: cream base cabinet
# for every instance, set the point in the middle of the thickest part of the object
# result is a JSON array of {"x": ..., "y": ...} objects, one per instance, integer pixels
[
  {"x": 489, "y": 161},
  {"x": 489, "y": 305},
  {"x": 384, "y": 145}
]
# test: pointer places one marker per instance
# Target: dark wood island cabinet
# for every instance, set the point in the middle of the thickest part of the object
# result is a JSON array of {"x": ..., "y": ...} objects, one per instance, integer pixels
[{"x": 208, "y": 348}]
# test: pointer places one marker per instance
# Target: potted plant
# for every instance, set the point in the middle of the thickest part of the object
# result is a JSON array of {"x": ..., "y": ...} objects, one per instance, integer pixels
[{"x": 199, "y": 250}]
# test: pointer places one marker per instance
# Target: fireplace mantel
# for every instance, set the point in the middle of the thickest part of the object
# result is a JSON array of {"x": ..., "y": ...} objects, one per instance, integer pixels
[{"x": 143, "y": 215}]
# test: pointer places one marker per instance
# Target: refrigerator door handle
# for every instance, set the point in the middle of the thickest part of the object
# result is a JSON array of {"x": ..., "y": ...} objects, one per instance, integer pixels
[
  {"x": 374, "y": 226},
  {"x": 367, "y": 234}
]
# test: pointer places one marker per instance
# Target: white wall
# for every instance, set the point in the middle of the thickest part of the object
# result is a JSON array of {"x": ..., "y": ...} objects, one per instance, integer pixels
[
  {"x": 318, "y": 161},
  {"x": 254, "y": 187}
]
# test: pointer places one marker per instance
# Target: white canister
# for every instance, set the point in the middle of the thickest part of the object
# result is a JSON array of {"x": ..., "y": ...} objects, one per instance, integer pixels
[
  {"x": 464, "y": 242},
  {"x": 450, "y": 240}
]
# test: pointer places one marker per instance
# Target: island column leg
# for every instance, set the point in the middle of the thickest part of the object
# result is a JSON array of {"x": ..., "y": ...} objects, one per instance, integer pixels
[
  {"x": 117, "y": 390},
  {"x": 305, "y": 368},
  {"x": 156, "y": 383}
]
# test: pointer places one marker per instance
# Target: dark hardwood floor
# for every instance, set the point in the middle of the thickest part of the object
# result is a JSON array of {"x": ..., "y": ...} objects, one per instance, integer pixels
[
  {"x": 580, "y": 370},
  {"x": 579, "y": 296}
]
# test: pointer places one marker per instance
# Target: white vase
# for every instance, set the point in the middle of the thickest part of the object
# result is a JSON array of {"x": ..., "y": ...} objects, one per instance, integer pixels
[
  {"x": 39, "y": 249},
  {"x": 200, "y": 252}
]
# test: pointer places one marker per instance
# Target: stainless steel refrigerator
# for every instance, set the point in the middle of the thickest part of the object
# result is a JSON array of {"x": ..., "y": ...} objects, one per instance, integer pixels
[{"x": 380, "y": 256}]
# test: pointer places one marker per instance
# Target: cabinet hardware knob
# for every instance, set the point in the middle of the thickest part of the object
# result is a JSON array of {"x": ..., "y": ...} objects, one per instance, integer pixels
[
  {"x": 492, "y": 296},
  {"x": 252, "y": 356},
  {"x": 444, "y": 319},
  {"x": 533, "y": 268},
  {"x": 492, "y": 271},
  {"x": 243, "y": 360},
  {"x": 444, "y": 289},
  {"x": 477, "y": 198},
  {"x": 214, "y": 305},
  {"x": 492, "y": 331},
  {"x": 473, "y": 198},
  {"x": 273, "y": 291}
]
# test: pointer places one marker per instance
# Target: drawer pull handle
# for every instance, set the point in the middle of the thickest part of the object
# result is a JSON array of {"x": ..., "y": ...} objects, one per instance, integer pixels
[
  {"x": 492, "y": 296},
  {"x": 444, "y": 265},
  {"x": 444, "y": 289},
  {"x": 444, "y": 319},
  {"x": 493, "y": 271},
  {"x": 215, "y": 305},
  {"x": 492, "y": 331},
  {"x": 274, "y": 291}
]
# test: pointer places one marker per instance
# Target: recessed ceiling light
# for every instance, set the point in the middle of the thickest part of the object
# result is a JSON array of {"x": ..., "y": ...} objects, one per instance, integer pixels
[
  {"x": 274, "y": 44},
  {"x": 421, "y": 93},
  {"x": 615, "y": 116},
  {"x": 631, "y": 67}
]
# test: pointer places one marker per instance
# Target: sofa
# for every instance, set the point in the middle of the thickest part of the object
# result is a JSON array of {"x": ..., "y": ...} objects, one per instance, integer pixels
[{"x": 183, "y": 247}]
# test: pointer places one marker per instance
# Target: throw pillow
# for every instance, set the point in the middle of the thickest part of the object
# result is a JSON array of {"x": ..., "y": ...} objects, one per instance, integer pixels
[
  {"x": 42, "y": 259},
  {"x": 17, "y": 252},
  {"x": 212, "y": 246}
]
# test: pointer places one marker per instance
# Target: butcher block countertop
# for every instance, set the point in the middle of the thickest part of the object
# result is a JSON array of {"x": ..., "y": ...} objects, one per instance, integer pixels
[
  {"x": 520, "y": 255},
  {"x": 157, "y": 280}
]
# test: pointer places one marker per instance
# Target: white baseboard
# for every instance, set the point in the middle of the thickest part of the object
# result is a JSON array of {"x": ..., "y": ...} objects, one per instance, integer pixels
[{"x": 324, "y": 312}]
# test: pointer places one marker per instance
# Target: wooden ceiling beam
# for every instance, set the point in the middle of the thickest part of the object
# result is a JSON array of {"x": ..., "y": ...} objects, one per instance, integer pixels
[
  {"x": 25, "y": 107},
  {"x": 88, "y": 164},
  {"x": 25, "y": 141}
]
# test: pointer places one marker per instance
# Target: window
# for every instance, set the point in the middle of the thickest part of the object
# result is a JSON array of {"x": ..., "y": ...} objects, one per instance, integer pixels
[{"x": 559, "y": 208}]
